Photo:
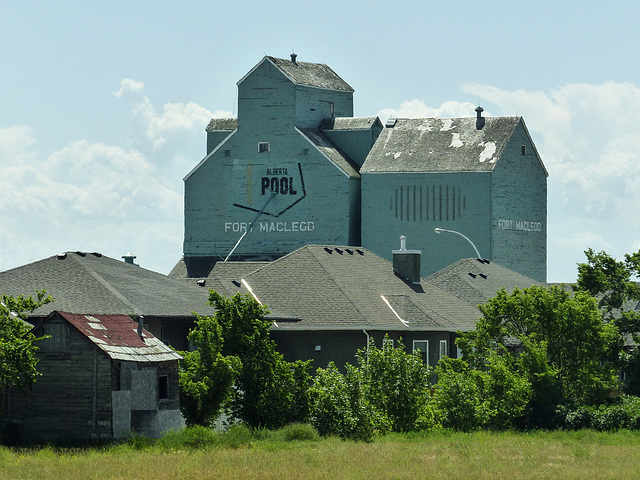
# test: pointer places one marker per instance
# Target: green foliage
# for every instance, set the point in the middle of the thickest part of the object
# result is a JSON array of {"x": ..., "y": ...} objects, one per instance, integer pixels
[
  {"x": 579, "y": 347},
  {"x": 299, "y": 431},
  {"x": 397, "y": 384},
  {"x": 269, "y": 392},
  {"x": 494, "y": 395},
  {"x": 18, "y": 347},
  {"x": 206, "y": 376},
  {"x": 621, "y": 413},
  {"x": 339, "y": 405}
]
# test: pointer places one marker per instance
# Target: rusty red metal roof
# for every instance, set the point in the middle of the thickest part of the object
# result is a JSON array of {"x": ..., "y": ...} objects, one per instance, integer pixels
[{"x": 117, "y": 336}]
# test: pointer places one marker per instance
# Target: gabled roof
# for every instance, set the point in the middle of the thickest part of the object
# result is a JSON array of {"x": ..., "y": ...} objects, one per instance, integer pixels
[
  {"x": 316, "y": 75},
  {"x": 476, "y": 281},
  {"x": 350, "y": 123},
  {"x": 349, "y": 288},
  {"x": 91, "y": 282},
  {"x": 117, "y": 336},
  {"x": 440, "y": 145},
  {"x": 330, "y": 151}
]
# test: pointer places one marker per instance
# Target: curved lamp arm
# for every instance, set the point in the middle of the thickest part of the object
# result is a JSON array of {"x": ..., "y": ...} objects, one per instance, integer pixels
[{"x": 440, "y": 230}]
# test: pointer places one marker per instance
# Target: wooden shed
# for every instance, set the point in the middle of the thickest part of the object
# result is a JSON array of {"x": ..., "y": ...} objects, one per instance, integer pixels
[{"x": 103, "y": 376}]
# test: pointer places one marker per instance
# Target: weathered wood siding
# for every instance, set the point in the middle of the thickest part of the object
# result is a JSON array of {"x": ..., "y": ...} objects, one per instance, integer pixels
[{"x": 72, "y": 398}]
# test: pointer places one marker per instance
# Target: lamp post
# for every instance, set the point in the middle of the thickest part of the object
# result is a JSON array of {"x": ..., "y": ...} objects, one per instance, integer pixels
[{"x": 440, "y": 230}]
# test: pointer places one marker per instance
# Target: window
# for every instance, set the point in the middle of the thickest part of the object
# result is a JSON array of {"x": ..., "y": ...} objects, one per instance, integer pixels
[
  {"x": 58, "y": 343},
  {"x": 305, "y": 151},
  {"x": 421, "y": 347},
  {"x": 332, "y": 110},
  {"x": 163, "y": 387},
  {"x": 387, "y": 344},
  {"x": 227, "y": 153},
  {"x": 263, "y": 147},
  {"x": 443, "y": 349},
  {"x": 523, "y": 150}
]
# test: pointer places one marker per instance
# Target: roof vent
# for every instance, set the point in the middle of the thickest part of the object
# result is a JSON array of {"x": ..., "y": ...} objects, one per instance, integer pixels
[
  {"x": 62, "y": 256},
  {"x": 81, "y": 254},
  {"x": 339, "y": 250},
  {"x": 472, "y": 275},
  {"x": 236, "y": 283},
  {"x": 128, "y": 258},
  {"x": 328, "y": 250},
  {"x": 483, "y": 275},
  {"x": 360, "y": 251},
  {"x": 293, "y": 58},
  {"x": 202, "y": 282},
  {"x": 349, "y": 251},
  {"x": 479, "y": 117},
  {"x": 391, "y": 122}
]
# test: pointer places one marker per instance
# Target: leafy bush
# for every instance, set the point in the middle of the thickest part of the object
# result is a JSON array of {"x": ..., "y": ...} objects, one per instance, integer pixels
[
  {"x": 236, "y": 436},
  {"x": 339, "y": 406},
  {"x": 621, "y": 413},
  {"x": 397, "y": 384},
  {"x": 299, "y": 431}
]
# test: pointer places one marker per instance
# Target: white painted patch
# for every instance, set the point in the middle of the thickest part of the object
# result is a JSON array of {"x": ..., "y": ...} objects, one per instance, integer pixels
[
  {"x": 455, "y": 140},
  {"x": 447, "y": 124},
  {"x": 397, "y": 155},
  {"x": 487, "y": 152}
]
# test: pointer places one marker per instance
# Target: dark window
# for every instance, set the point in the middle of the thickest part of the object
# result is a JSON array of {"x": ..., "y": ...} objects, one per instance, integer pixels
[
  {"x": 163, "y": 386},
  {"x": 523, "y": 150},
  {"x": 263, "y": 147},
  {"x": 227, "y": 153}
]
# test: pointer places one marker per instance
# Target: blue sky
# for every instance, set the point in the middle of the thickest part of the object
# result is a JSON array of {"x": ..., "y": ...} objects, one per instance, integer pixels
[{"x": 103, "y": 106}]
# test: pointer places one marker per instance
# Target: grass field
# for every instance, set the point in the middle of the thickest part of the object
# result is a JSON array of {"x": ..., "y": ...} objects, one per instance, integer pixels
[{"x": 441, "y": 455}]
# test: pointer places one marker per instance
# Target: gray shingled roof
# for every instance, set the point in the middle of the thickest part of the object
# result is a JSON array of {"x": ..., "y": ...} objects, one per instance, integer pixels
[
  {"x": 94, "y": 283},
  {"x": 350, "y": 123},
  {"x": 324, "y": 145},
  {"x": 335, "y": 288},
  {"x": 476, "y": 282},
  {"x": 224, "y": 124},
  {"x": 440, "y": 145},
  {"x": 311, "y": 74}
]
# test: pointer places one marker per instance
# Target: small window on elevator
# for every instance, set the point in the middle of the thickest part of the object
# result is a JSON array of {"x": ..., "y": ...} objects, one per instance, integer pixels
[
  {"x": 523, "y": 149},
  {"x": 263, "y": 147}
]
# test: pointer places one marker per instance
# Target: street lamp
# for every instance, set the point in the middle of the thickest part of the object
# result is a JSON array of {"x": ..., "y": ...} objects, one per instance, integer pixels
[{"x": 440, "y": 230}]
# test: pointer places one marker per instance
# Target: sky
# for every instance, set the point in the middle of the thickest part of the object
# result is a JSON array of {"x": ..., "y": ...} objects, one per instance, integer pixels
[{"x": 103, "y": 105}]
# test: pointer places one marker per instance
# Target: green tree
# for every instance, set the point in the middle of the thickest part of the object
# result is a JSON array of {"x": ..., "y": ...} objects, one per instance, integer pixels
[
  {"x": 18, "y": 346},
  {"x": 206, "y": 375},
  {"x": 269, "y": 391},
  {"x": 397, "y": 383},
  {"x": 494, "y": 394},
  {"x": 579, "y": 346},
  {"x": 614, "y": 283},
  {"x": 339, "y": 405}
]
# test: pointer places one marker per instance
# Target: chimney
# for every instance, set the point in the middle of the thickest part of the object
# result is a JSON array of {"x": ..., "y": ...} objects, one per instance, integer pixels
[
  {"x": 293, "y": 58},
  {"x": 479, "y": 117},
  {"x": 406, "y": 263}
]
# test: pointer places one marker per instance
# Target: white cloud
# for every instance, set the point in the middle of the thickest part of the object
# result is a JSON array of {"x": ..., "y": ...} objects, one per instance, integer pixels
[
  {"x": 418, "y": 109},
  {"x": 129, "y": 88}
]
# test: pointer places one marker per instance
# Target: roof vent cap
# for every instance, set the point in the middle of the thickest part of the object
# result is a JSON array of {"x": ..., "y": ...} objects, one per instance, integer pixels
[{"x": 293, "y": 58}]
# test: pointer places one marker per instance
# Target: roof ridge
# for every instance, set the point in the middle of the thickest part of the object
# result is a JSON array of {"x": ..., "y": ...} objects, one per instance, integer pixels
[{"x": 107, "y": 285}]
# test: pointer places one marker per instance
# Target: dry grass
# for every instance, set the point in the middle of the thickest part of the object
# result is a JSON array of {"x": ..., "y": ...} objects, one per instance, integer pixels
[{"x": 582, "y": 455}]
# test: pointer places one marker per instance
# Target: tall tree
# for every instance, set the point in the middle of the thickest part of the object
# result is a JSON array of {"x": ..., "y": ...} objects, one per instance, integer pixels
[
  {"x": 615, "y": 284},
  {"x": 18, "y": 346},
  {"x": 579, "y": 346},
  {"x": 269, "y": 392}
]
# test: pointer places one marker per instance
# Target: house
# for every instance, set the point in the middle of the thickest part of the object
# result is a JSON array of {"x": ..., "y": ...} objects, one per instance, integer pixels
[
  {"x": 91, "y": 282},
  {"x": 297, "y": 168},
  {"x": 328, "y": 301},
  {"x": 103, "y": 376}
]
